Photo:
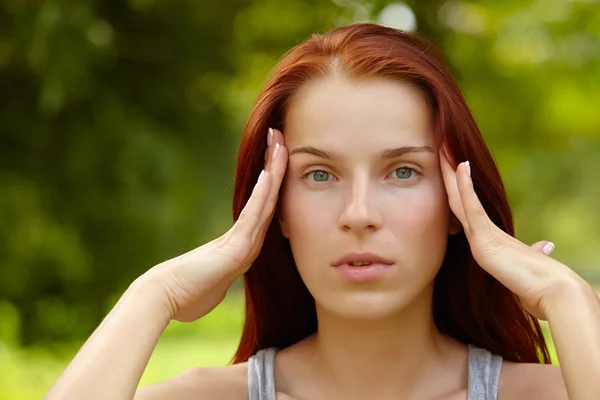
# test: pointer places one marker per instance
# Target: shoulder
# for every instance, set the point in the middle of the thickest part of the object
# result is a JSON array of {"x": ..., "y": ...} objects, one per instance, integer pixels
[
  {"x": 531, "y": 381},
  {"x": 229, "y": 382}
]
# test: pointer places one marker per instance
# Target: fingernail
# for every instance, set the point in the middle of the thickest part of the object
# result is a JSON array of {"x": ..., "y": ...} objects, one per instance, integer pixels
[
  {"x": 275, "y": 151},
  {"x": 548, "y": 248},
  {"x": 468, "y": 167},
  {"x": 262, "y": 173},
  {"x": 270, "y": 137}
]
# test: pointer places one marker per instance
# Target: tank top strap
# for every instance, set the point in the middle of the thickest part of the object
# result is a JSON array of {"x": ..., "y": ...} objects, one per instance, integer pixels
[
  {"x": 484, "y": 374},
  {"x": 261, "y": 376}
]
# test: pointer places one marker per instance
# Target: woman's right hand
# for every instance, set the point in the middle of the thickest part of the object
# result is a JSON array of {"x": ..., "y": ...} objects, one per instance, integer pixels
[{"x": 194, "y": 283}]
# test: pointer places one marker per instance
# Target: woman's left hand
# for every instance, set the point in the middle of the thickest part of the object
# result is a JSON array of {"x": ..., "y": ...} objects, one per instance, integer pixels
[{"x": 535, "y": 278}]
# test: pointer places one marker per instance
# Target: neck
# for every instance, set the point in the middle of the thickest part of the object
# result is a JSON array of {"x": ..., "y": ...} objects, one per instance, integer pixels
[{"x": 396, "y": 354}]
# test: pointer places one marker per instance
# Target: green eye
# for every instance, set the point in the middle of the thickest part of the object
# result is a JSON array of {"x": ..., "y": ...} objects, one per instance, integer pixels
[
  {"x": 404, "y": 173},
  {"x": 320, "y": 176}
]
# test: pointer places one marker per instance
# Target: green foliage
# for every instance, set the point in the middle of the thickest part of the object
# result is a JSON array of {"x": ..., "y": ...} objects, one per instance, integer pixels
[
  {"x": 28, "y": 373},
  {"x": 118, "y": 132}
]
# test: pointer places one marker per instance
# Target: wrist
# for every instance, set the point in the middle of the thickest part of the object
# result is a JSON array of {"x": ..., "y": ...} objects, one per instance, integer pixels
[
  {"x": 568, "y": 295},
  {"x": 147, "y": 293}
]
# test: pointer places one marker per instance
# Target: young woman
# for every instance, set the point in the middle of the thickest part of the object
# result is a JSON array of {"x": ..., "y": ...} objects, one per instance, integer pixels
[{"x": 377, "y": 249}]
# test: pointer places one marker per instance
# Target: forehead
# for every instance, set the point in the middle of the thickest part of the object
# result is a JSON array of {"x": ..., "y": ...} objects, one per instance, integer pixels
[{"x": 339, "y": 108}]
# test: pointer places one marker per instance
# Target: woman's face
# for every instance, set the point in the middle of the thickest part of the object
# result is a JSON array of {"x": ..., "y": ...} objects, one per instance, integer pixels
[{"x": 348, "y": 190}]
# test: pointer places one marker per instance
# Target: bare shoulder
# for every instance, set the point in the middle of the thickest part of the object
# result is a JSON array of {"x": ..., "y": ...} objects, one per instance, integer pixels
[
  {"x": 228, "y": 383},
  {"x": 531, "y": 381}
]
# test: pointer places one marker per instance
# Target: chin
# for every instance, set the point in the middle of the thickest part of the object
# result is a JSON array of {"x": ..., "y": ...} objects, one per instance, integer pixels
[{"x": 364, "y": 305}]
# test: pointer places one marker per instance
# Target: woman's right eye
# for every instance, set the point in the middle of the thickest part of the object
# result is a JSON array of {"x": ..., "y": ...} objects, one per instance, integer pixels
[{"x": 318, "y": 175}]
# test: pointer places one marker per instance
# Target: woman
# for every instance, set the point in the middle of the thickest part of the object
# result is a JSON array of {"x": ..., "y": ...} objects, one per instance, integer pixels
[{"x": 377, "y": 248}]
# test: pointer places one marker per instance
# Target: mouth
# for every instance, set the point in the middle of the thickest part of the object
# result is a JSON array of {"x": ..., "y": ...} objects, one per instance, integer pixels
[
  {"x": 362, "y": 273},
  {"x": 362, "y": 267},
  {"x": 361, "y": 260}
]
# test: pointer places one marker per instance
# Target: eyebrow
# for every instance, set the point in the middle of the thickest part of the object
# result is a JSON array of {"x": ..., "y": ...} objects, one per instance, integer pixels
[{"x": 386, "y": 154}]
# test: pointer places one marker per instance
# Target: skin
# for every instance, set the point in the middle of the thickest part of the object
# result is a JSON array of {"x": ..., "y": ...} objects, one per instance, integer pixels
[
  {"x": 394, "y": 207},
  {"x": 375, "y": 339}
]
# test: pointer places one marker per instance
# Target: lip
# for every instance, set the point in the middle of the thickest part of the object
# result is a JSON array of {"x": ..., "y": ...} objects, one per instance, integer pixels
[
  {"x": 362, "y": 257},
  {"x": 367, "y": 273}
]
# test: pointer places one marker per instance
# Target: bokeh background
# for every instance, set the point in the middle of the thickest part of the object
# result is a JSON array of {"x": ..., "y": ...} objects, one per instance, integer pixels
[{"x": 119, "y": 123}]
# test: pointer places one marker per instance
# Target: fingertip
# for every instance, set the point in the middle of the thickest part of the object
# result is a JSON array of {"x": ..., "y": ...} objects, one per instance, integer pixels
[
  {"x": 264, "y": 178},
  {"x": 539, "y": 246},
  {"x": 463, "y": 177},
  {"x": 548, "y": 248},
  {"x": 278, "y": 136},
  {"x": 275, "y": 151}
]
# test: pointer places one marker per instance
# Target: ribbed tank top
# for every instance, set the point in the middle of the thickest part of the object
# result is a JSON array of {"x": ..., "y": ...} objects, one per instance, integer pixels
[{"x": 484, "y": 374}]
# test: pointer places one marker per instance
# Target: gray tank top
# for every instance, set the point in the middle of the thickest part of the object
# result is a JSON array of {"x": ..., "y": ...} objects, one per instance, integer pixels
[{"x": 484, "y": 373}]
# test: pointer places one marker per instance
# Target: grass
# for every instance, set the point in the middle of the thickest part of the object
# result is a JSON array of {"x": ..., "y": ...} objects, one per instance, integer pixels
[{"x": 28, "y": 373}]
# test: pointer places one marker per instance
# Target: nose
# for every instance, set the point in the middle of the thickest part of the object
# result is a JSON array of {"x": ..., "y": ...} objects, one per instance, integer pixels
[{"x": 360, "y": 213}]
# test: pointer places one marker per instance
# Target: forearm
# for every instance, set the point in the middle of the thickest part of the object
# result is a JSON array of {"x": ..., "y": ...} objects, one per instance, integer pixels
[
  {"x": 574, "y": 319},
  {"x": 110, "y": 364}
]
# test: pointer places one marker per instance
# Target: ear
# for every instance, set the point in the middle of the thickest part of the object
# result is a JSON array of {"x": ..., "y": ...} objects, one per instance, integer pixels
[{"x": 455, "y": 226}]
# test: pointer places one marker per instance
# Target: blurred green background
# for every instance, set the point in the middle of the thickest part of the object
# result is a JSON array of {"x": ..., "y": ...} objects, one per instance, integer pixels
[{"x": 119, "y": 123}]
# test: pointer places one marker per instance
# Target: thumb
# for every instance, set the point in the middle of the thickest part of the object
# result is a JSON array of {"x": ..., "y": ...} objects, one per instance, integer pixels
[{"x": 543, "y": 246}]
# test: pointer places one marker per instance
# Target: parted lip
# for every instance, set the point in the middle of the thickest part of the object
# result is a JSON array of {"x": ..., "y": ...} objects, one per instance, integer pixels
[{"x": 362, "y": 257}]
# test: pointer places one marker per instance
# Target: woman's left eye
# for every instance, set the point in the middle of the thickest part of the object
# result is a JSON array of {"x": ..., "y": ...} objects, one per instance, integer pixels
[{"x": 404, "y": 173}]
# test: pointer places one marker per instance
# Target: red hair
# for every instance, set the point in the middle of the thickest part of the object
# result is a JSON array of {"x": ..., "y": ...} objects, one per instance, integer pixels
[{"x": 468, "y": 303}]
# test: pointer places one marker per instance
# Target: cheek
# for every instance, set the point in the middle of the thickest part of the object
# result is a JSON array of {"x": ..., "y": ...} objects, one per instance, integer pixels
[
  {"x": 304, "y": 214},
  {"x": 307, "y": 222},
  {"x": 420, "y": 226},
  {"x": 421, "y": 211}
]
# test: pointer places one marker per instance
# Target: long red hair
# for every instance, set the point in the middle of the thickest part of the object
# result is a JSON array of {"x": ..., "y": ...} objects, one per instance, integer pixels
[{"x": 468, "y": 303}]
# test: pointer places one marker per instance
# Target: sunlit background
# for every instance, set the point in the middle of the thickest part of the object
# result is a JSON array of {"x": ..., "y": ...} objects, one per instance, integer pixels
[{"x": 119, "y": 123}]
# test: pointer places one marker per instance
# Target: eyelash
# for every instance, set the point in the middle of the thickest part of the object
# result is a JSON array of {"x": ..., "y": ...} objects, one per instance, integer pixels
[{"x": 414, "y": 171}]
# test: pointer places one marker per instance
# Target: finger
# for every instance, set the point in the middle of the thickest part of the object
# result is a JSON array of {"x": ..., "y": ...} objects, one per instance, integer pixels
[
  {"x": 271, "y": 140},
  {"x": 544, "y": 246},
  {"x": 449, "y": 177},
  {"x": 477, "y": 219},
  {"x": 269, "y": 150},
  {"x": 249, "y": 218},
  {"x": 278, "y": 166}
]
